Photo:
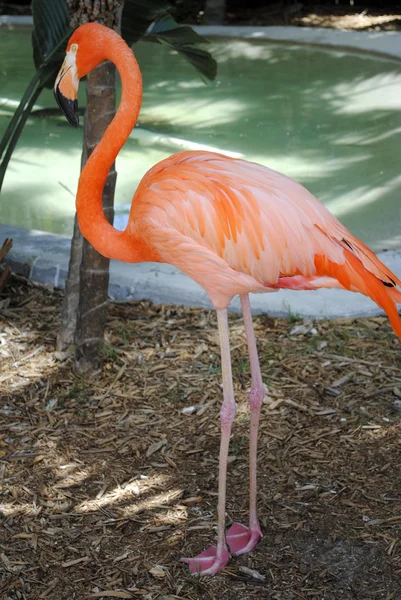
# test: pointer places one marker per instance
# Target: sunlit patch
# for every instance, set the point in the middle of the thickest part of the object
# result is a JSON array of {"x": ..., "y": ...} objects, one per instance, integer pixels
[
  {"x": 129, "y": 491},
  {"x": 74, "y": 479},
  {"x": 175, "y": 144},
  {"x": 364, "y": 138},
  {"x": 117, "y": 495},
  {"x": 201, "y": 114},
  {"x": 16, "y": 350},
  {"x": 374, "y": 431},
  {"x": 11, "y": 509},
  {"x": 358, "y": 97},
  {"x": 7, "y": 106},
  {"x": 361, "y": 197},
  {"x": 312, "y": 167},
  {"x": 244, "y": 49},
  {"x": 157, "y": 501},
  {"x": 171, "y": 516}
]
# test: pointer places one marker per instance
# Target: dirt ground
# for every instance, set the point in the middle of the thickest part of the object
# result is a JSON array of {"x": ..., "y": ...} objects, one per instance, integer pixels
[
  {"x": 361, "y": 18},
  {"x": 105, "y": 483}
]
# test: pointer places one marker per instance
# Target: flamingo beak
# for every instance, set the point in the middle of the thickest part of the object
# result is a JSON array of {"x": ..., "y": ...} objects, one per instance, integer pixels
[{"x": 66, "y": 89}]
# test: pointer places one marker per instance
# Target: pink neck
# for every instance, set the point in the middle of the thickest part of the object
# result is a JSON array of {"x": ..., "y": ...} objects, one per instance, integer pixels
[{"x": 94, "y": 226}]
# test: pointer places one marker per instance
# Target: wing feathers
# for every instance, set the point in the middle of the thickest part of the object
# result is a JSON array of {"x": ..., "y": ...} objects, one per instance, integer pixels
[{"x": 258, "y": 223}]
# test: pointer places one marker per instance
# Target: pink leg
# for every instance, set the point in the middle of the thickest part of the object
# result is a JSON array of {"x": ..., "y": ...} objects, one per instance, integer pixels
[
  {"x": 215, "y": 558},
  {"x": 242, "y": 539}
]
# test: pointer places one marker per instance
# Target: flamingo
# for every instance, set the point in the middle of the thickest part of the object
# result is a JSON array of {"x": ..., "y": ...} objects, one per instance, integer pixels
[{"x": 233, "y": 226}]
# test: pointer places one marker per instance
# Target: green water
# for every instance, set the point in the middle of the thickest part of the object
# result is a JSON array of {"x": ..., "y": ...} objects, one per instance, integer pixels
[{"x": 330, "y": 119}]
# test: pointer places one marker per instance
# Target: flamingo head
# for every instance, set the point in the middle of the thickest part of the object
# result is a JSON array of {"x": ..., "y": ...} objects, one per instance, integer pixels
[{"x": 87, "y": 47}]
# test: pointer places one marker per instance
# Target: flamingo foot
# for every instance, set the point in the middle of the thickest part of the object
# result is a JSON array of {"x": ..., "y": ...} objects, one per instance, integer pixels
[
  {"x": 207, "y": 562},
  {"x": 242, "y": 539}
]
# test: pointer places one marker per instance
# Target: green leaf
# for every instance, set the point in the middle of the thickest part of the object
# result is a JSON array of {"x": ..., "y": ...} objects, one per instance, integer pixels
[
  {"x": 50, "y": 29},
  {"x": 138, "y": 15},
  {"x": 202, "y": 60},
  {"x": 152, "y": 22},
  {"x": 167, "y": 26},
  {"x": 184, "y": 40}
]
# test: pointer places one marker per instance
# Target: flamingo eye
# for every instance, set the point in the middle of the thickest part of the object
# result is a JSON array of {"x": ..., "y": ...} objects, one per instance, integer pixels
[{"x": 74, "y": 48}]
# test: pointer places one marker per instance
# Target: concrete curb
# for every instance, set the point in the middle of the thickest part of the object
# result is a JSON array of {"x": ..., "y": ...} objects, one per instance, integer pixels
[
  {"x": 10, "y": 20},
  {"x": 383, "y": 43}
]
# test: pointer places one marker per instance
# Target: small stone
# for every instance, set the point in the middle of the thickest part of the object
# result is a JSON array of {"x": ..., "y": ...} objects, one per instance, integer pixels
[
  {"x": 397, "y": 405},
  {"x": 299, "y": 330},
  {"x": 252, "y": 573}
]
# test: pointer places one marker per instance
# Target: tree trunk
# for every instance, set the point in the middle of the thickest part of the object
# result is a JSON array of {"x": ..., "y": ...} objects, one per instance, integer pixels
[
  {"x": 215, "y": 11},
  {"x": 69, "y": 309},
  {"x": 94, "y": 268},
  {"x": 85, "y": 302}
]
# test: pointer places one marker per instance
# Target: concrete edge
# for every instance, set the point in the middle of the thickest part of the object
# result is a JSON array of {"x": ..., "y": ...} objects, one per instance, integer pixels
[
  {"x": 381, "y": 43},
  {"x": 43, "y": 257},
  {"x": 11, "y": 20}
]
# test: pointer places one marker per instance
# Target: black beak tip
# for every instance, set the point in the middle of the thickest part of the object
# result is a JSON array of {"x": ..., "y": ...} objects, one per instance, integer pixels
[{"x": 69, "y": 107}]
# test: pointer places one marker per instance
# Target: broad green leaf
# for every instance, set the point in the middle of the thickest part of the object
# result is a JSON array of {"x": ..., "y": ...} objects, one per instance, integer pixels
[
  {"x": 202, "y": 60},
  {"x": 138, "y": 15},
  {"x": 186, "y": 41},
  {"x": 184, "y": 34},
  {"x": 50, "y": 29},
  {"x": 152, "y": 22}
]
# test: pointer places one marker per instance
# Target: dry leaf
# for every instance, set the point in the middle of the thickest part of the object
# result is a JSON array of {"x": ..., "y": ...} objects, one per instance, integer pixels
[
  {"x": 157, "y": 572},
  {"x": 155, "y": 447},
  {"x": 253, "y": 573}
]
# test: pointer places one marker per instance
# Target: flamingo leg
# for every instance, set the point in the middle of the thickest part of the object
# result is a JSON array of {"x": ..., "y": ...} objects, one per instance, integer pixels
[
  {"x": 242, "y": 539},
  {"x": 215, "y": 558}
]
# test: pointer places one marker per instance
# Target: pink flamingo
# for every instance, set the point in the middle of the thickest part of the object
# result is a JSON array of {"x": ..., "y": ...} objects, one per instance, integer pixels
[{"x": 233, "y": 226}]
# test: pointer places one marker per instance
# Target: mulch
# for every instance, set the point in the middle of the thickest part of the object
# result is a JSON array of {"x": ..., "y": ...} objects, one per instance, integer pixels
[
  {"x": 348, "y": 16},
  {"x": 106, "y": 481}
]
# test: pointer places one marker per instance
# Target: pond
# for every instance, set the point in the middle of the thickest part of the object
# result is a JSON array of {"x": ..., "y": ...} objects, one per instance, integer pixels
[{"x": 329, "y": 118}]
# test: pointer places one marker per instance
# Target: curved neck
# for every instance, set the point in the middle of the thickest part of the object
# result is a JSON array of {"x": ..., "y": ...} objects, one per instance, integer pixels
[{"x": 107, "y": 240}]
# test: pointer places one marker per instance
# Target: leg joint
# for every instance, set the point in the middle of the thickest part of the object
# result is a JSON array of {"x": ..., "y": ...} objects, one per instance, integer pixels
[
  {"x": 227, "y": 412},
  {"x": 256, "y": 395}
]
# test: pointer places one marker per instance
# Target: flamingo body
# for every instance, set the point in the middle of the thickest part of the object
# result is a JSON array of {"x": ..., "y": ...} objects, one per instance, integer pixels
[
  {"x": 233, "y": 226},
  {"x": 237, "y": 227}
]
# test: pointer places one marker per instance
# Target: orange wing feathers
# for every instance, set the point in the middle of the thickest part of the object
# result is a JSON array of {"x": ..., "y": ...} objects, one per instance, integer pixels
[{"x": 236, "y": 226}]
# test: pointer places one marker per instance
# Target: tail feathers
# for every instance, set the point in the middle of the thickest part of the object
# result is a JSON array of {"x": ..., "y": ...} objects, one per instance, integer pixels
[
  {"x": 354, "y": 276},
  {"x": 369, "y": 260},
  {"x": 396, "y": 295}
]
